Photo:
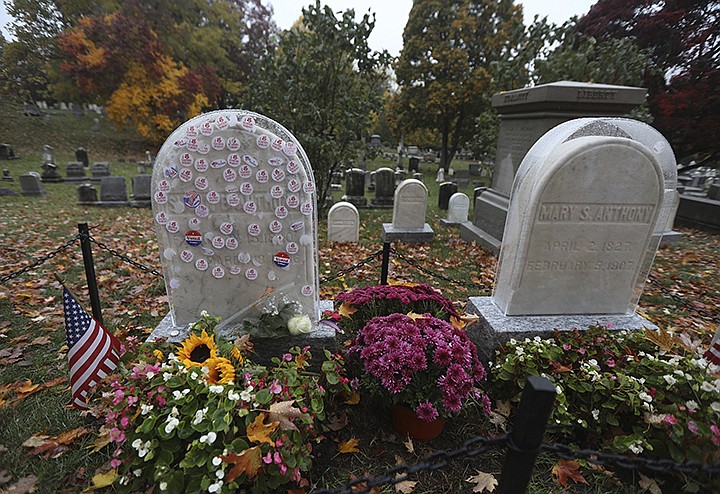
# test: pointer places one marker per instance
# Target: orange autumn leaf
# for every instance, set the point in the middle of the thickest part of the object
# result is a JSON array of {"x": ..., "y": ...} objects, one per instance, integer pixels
[
  {"x": 283, "y": 413},
  {"x": 352, "y": 399},
  {"x": 457, "y": 322},
  {"x": 349, "y": 446},
  {"x": 347, "y": 310},
  {"x": 565, "y": 470},
  {"x": 259, "y": 432},
  {"x": 661, "y": 338},
  {"x": 300, "y": 361},
  {"x": 27, "y": 387},
  {"x": 248, "y": 462},
  {"x": 414, "y": 316}
]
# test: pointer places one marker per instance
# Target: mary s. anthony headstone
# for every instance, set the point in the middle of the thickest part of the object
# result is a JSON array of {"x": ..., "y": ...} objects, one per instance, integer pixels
[
  {"x": 584, "y": 223},
  {"x": 343, "y": 223},
  {"x": 408, "y": 220},
  {"x": 234, "y": 204},
  {"x": 525, "y": 115}
]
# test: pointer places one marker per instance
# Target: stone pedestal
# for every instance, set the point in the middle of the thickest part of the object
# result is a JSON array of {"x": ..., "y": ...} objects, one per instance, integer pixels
[{"x": 525, "y": 115}]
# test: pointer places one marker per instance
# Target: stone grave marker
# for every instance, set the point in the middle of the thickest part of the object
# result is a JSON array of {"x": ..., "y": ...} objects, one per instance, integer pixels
[
  {"x": 96, "y": 125},
  {"x": 77, "y": 109},
  {"x": 584, "y": 223},
  {"x": 375, "y": 141},
  {"x": 87, "y": 195},
  {"x": 371, "y": 184},
  {"x": 355, "y": 187},
  {"x": 447, "y": 189},
  {"x": 384, "y": 188},
  {"x": 100, "y": 169},
  {"x": 408, "y": 220},
  {"x": 418, "y": 176},
  {"x": 113, "y": 191},
  {"x": 343, "y": 223},
  {"x": 440, "y": 176},
  {"x": 235, "y": 210},
  {"x": 81, "y": 155},
  {"x": 414, "y": 164},
  {"x": 75, "y": 172},
  {"x": 141, "y": 186},
  {"x": 400, "y": 175},
  {"x": 31, "y": 185},
  {"x": 7, "y": 153},
  {"x": 458, "y": 207},
  {"x": 6, "y": 176}
]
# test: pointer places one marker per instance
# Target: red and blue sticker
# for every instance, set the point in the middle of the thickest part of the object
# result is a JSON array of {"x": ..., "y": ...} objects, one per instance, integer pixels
[
  {"x": 193, "y": 238},
  {"x": 191, "y": 199},
  {"x": 281, "y": 259}
]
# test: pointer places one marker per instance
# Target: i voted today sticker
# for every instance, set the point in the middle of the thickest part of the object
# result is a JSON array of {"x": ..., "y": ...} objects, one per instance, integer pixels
[
  {"x": 281, "y": 259},
  {"x": 193, "y": 238}
]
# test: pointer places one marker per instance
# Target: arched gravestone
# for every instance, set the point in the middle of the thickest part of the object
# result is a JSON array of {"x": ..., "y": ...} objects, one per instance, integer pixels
[
  {"x": 584, "y": 220},
  {"x": 235, "y": 214}
]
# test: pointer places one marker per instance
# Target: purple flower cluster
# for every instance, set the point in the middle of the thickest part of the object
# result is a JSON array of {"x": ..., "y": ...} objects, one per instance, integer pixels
[
  {"x": 423, "y": 362},
  {"x": 407, "y": 295}
]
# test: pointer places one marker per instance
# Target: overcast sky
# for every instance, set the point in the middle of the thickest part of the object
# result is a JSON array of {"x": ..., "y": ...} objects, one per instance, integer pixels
[{"x": 391, "y": 15}]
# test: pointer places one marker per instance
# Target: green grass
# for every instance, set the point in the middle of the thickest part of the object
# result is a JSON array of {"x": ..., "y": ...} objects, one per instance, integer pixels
[{"x": 134, "y": 302}]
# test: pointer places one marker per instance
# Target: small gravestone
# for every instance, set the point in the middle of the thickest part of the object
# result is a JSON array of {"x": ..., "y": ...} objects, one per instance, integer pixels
[
  {"x": 447, "y": 189},
  {"x": 384, "y": 188},
  {"x": 474, "y": 169},
  {"x": 100, "y": 169},
  {"x": 418, "y": 176},
  {"x": 7, "y": 153},
  {"x": 50, "y": 172},
  {"x": 75, "y": 172},
  {"x": 355, "y": 187},
  {"x": 96, "y": 125},
  {"x": 582, "y": 229},
  {"x": 6, "y": 176},
  {"x": 375, "y": 141},
  {"x": 77, "y": 109},
  {"x": 4, "y": 191},
  {"x": 371, "y": 184},
  {"x": 343, "y": 223},
  {"x": 458, "y": 207},
  {"x": 400, "y": 175},
  {"x": 408, "y": 220},
  {"x": 87, "y": 195},
  {"x": 31, "y": 110},
  {"x": 440, "y": 177},
  {"x": 81, "y": 155},
  {"x": 336, "y": 180},
  {"x": 141, "y": 186},
  {"x": 31, "y": 185},
  {"x": 48, "y": 154},
  {"x": 63, "y": 106},
  {"x": 414, "y": 164},
  {"x": 113, "y": 192},
  {"x": 235, "y": 212}
]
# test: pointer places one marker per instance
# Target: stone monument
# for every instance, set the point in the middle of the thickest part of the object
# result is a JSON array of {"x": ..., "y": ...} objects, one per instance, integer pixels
[
  {"x": 87, "y": 195},
  {"x": 31, "y": 185},
  {"x": 75, "y": 172},
  {"x": 384, "y": 188},
  {"x": 355, "y": 188},
  {"x": 343, "y": 223},
  {"x": 447, "y": 189},
  {"x": 586, "y": 216},
  {"x": 234, "y": 204},
  {"x": 113, "y": 192},
  {"x": 408, "y": 220},
  {"x": 81, "y": 155},
  {"x": 458, "y": 207},
  {"x": 142, "y": 195},
  {"x": 525, "y": 115}
]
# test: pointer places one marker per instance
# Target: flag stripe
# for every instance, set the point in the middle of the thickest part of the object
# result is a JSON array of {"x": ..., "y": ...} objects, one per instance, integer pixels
[{"x": 713, "y": 353}]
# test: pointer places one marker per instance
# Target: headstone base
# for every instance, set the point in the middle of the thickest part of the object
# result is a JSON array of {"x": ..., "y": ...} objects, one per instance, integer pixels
[
  {"x": 412, "y": 236},
  {"x": 471, "y": 233},
  {"x": 140, "y": 204},
  {"x": 382, "y": 203},
  {"x": 265, "y": 348},
  {"x": 494, "y": 328},
  {"x": 51, "y": 179},
  {"x": 448, "y": 222},
  {"x": 357, "y": 201},
  {"x": 110, "y": 204},
  {"x": 670, "y": 238}
]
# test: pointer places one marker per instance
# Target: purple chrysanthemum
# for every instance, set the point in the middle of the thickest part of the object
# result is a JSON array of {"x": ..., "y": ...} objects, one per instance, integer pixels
[{"x": 426, "y": 411}]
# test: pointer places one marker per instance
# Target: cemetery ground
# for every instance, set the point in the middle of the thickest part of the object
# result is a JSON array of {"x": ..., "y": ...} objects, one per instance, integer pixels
[{"x": 50, "y": 447}]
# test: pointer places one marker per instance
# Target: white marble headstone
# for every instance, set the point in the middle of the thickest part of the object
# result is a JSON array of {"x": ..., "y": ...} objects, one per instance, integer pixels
[
  {"x": 343, "y": 223},
  {"x": 579, "y": 236},
  {"x": 458, "y": 208},
  {"x": 234, "y": 206},
  {"x": 410, "y": 206}
]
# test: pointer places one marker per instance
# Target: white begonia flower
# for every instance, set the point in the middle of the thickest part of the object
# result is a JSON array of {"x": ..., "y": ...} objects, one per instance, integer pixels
[
  {"x": 645, "y": 397},
  {"x": 171, "y": 424},
  {"x": 220, "y": 474},
  {"x": 199, "y": 416},
  {"x": 558, "y": 390},
  {"x": 216, "y": 461},
  {"x": 596, "y": 414},
  {"x": 233, "y": 395},
  {"x": 217, "y": 389},
  {"x": 216, "y": 486},
  {"x": 137, "y": 472},
  {"x": 537, "y": 339},
  {"x": 194, "y": 375},
  {"x": 715, "y": 406},
  {"x": 150, "y": 374},
  {"x": 513, "y": 341},
  {"x": 167, "y": 376},
  {"x": 299, "y": 324},
  {"x": 706, "y": 386},
  {"x": 691, "y": 405},
  {"x": 163, "y": 486},
  {"x": 172, "y": 357},
  {"x": 669, "y": 379},
  {"x": 145, "y": 409},
  {"x": 636, "y": 447},
  {"x": 204, "y": 313},
  {"x": 177, "y": 394},
  {"x": 245, "y": 395},
  {"x": 519, "y": 350},
  {"x": 593, "y": 362}
]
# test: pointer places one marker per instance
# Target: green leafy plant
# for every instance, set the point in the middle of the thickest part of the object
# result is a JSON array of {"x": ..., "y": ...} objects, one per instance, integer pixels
[
  {"x": 628, "y": 395},
  {"x": 206, "y": 419}
]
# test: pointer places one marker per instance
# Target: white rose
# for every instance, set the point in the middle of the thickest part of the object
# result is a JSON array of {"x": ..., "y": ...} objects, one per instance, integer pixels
[{"x": 299, "y": 324}]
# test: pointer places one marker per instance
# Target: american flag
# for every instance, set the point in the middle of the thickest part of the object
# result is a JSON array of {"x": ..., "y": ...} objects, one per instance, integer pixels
[
  {"x": 713, "y": 353},
  {"x": 93, "y": 353}
]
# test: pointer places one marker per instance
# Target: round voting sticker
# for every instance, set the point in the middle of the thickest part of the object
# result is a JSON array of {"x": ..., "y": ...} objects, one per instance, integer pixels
[
  {"x": 218, "y": 272},
  {"x": 233, "y": 160},
  {"x": 250, "y": 207},
  {"x": 251, "y": 274},
  {"x": 193, "y": 238},
  {"x": 187, "y": 256},
  {"x": 281, "y": 259},
  {"x": 263, "y": 141},
  {"x": 307, "y": 290},
  {"x": 201, "y": 264},
  {"x": 172, "y": 226},
  {"x": 191, "y": 199},
  {"x": 201, "y": 165},
  {"x": 212, "y": 197}
]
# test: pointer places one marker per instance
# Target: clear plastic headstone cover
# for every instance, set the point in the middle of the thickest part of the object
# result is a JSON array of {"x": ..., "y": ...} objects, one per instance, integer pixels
[
  {"x": 235, "y": 213},
  {"x": 513, "y": 260}
]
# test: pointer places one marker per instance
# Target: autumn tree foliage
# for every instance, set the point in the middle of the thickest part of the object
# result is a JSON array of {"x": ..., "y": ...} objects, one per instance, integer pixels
[
  {"x": 683, "y": 39},
  {"x": 444, "y": 71},
  {"x": 323, "y": 82}
]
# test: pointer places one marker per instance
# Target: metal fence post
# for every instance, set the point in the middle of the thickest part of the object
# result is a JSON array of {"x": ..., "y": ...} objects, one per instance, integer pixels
[
  {"x": 385, "y": 263},
  {"x": 90, "y": 271},
  {"x": 525, "y": 439}
]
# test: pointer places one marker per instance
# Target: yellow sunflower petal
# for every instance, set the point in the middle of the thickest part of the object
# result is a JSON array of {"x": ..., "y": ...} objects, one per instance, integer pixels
[{"x": 195, "y": 350}]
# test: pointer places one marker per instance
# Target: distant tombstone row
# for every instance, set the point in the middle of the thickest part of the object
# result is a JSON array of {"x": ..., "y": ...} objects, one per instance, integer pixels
[{"x": 113, "y": 192}]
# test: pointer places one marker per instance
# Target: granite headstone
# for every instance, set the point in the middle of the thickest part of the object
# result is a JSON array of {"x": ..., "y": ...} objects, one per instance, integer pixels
[{"x": 343, "y": 223}]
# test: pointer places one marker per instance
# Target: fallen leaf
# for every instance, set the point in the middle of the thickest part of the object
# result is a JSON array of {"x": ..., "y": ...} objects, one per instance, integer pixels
[
  {"x": 649, "y": 484},
  {"x": 457, "y": 322},
  {"x": 414, "y": 316},
  {"x": 244, "y": 344},
  {"x": 405, "y": 486},
  {"x": 41, "y": 340},
  {"x": 565, "y": 470},
  {"x": 24, "y": 485},
  {"x": 338, "y": 422},
  {"x": 349, "y": 446},
  {"x": 409, "y": 446},
  {"x": 347, "y": 310},
  {"x": 283, "y": 412},
  {"x": 353, "y": 399},
  {"x": 483, "y": 481},
  {"x": 499, "y": 416},
  {"x": 36, "y": 440},
  {"x": 662, "y": 338},
  {"x": 4, "y": 477},
  {"x": 268, "y": 291},
  {"x": 259, "y": 432},
  {"x": 104, "y": 479},
  {"x": 247, "y": 462}
]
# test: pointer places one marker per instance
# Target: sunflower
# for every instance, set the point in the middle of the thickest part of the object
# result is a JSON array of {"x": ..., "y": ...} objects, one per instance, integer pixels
[
  {"x": 195, "y": 350},
  {"x": 220, "y": 370},
  {"x": 237, "y": 355}
]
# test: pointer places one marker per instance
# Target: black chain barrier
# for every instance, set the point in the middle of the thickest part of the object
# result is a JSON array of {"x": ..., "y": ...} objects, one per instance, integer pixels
[
  {"x": 434, "y": 461},
  {"x": 466, "y": 284},
  {"x": 40, "y": 261},
  {"x": 352, "y": 268},
  {"x": 123, "y": 257},
  {"x": 632, "y": 463},
  {"x": 705, "y": 314}
]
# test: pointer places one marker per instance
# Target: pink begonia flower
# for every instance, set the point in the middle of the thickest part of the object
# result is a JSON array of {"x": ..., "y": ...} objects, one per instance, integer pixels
[
  {"x": 295, "y": 476},
  {"x": 581, "y": 351},
  {"x": 275, "y": 388},
  {"x": 692, "y": 427},
  {"x": 115, "y": 463},
  {"x": 267, "y": 459},
  {"x": 111, "y": 417},
  {"x": 287, "y": 357},
  {"x": 716, "y": 434},
  {"x": 279, "y": 442},
  {"x": 116, "y": 435},
  {"x": 119, "y": 395},
  {"x": 277, "y": 458},
  {"x": 566, "y": 346},
  {"x": 132, "y": 400},
  {"x": 124, "y": 422},
  {"x": 610, "y": 362},
  {"x": 670, "y": 420}
]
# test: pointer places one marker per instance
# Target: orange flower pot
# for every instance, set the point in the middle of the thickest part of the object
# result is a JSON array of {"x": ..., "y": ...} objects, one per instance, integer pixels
[{"x": 407, "y": 423}]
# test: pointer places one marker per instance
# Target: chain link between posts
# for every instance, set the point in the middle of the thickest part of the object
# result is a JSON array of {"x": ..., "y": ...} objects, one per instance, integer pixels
[
  {"x": 352, "y": 268},
  {"x": 41, "y": 260},
  {"x": 705, "y": 314},
  {"x": 123, "y": 257}
]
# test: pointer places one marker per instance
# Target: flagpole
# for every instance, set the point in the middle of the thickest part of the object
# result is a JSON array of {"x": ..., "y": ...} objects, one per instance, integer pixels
[{"x": 62, "y": 282}]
